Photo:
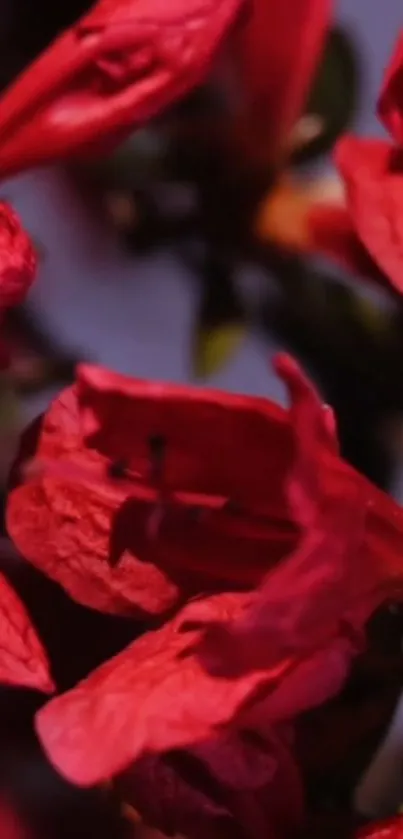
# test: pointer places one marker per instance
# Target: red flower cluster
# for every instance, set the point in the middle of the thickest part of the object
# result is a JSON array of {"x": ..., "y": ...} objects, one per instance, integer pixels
[{"x": 262, "y": 554}]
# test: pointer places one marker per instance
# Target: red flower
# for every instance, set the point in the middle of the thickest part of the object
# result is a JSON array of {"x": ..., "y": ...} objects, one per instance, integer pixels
[
  {"x": 124, "y": 62},
  {"x": 176, "y": 710},
  {"x": 390, "y": 104}
]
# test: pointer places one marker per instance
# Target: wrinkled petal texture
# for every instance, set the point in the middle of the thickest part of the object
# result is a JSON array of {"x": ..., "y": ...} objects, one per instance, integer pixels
[
  {"x": 373, "y": 173},
  {"x": 390, "y": 103},
  {"x": 158, "y": 694},
  {"x": 22, "y": 659},
  {"x": 276, "y": 51},
  {"x": 92, "y": 535},
  {"x": 17, "y": 259}
]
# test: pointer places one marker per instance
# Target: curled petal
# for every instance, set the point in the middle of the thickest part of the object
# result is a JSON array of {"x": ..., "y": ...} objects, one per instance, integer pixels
[
  {"x": 373, "y": 172},
  {"x": 23, "y": 661},
  {"x": 300, "y": 605},
  {"x": 17, "y": 259}
]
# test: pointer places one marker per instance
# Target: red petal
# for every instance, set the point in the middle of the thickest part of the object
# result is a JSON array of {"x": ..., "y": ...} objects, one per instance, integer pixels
[
  {"x": 219, "y": 447},
  {"x": 373, "y": 172},
  {"x": 17, "y": 259},
  {"x": 390, "y": 104},
  {"x": 152, "y": 697},
  {"x": 123, "y": 63},
  {"x": 22, "y": 659},
  {"x": 276, "y": 52},
  {"x": 387, "y": 829},
  {"x": 74, "y": 519}
]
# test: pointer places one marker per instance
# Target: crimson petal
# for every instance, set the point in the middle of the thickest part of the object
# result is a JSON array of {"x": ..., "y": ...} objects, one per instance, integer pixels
[{"x": 23, "y": 661}]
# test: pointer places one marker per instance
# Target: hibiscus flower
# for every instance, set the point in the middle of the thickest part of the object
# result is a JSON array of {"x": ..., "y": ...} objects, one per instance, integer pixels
[{"x": 220, "y": 489}]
